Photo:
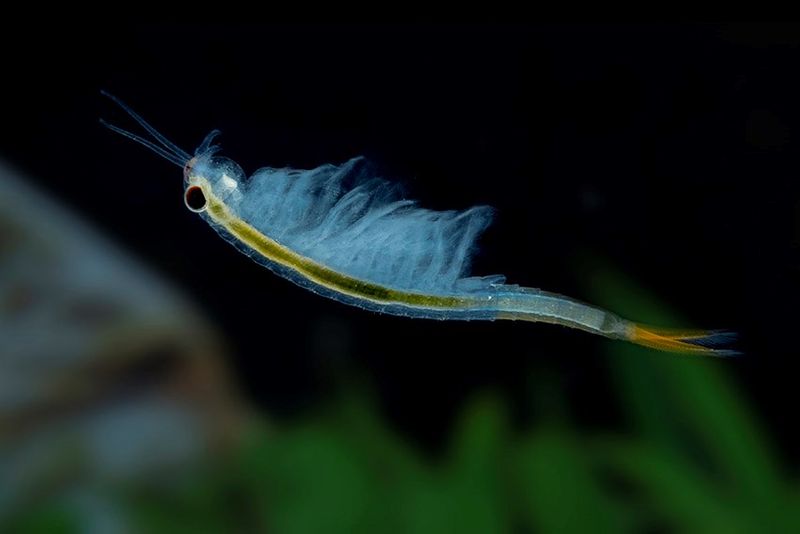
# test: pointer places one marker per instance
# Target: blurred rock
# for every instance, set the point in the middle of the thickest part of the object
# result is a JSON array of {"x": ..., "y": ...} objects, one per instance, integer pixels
[{"x": 107, "y": 375}]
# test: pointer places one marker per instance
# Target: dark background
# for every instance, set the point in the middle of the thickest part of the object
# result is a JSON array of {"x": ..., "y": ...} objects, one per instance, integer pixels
[{"x": 668, "y": 151}]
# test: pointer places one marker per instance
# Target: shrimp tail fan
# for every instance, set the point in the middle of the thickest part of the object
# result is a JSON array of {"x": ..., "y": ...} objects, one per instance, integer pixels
[
  {"x": 697, "y": 342},
  {"x": 346, "y": 217}
]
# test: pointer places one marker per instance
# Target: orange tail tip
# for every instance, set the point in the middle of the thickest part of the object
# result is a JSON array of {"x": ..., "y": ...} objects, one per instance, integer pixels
[{"x": 697, "y": 342}]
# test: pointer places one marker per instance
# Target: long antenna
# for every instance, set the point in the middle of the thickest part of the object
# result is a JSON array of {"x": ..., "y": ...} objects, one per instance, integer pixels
[{"x": 170, "y": 150}]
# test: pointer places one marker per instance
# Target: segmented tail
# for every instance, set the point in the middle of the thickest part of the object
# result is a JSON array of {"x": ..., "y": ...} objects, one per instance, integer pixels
[{"x": 696, "y": 342}]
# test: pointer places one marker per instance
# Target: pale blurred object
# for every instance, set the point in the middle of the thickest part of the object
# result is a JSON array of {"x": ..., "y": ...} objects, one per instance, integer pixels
[{"x": 107, "y": 375}]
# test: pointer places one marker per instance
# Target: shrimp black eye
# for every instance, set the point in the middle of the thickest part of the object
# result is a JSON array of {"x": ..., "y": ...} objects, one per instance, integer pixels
[{"x": 195, "y": 199}]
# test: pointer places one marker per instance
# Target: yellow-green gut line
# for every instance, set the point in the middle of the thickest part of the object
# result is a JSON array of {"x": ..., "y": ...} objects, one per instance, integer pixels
[{"x": 317, "y": 273}]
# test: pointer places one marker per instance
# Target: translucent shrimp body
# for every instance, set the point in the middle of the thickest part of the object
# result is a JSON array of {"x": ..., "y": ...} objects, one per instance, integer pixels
[{"x": 341, "y": 232}]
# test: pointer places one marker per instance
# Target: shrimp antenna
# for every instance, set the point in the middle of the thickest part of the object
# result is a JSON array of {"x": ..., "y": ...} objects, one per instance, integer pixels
[
  {"x": 170, "y": 150},
  {"x": 169, "y": 156},
  {"x": 206, "y": 147}
]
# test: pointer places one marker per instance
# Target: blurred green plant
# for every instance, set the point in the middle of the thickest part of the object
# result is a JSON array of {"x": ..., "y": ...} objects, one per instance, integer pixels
[
  {"x": 697, "y": 459},
  {"x": 44, "y": 518},
  {"x": 693, "y": 459}
]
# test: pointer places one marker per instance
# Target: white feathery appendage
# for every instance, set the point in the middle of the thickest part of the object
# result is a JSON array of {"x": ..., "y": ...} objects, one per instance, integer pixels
[{"x": 349, "y": 220}]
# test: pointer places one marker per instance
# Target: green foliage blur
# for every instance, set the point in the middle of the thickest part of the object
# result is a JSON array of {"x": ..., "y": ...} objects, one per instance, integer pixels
[{"x": 693, "y": 460}]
